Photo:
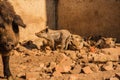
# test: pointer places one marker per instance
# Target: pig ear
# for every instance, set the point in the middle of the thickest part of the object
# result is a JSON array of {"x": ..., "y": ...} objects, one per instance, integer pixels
[
  {"x": 18, "y": 20},
  {"x": 114, "y": 39},
  {"x": 103, "y": 38}
]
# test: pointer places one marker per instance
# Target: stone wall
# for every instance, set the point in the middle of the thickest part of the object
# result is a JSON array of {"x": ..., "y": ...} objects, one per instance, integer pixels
[{"x": 90, "y": 17}]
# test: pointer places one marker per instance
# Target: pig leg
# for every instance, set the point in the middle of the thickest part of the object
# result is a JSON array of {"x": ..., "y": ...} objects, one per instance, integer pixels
[
  {"x": 52, "y": 44},
  {"x": 7, "y": 73},
  {"x": 67, "y": 43},
  {"x": 63, "y": 44}
]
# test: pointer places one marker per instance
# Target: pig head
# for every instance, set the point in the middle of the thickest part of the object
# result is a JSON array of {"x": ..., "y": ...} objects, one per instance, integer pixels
[{"x": 9, "y": 38}]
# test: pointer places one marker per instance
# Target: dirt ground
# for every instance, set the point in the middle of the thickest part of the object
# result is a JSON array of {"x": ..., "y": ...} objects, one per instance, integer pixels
[{"x": 29, "y": 63}]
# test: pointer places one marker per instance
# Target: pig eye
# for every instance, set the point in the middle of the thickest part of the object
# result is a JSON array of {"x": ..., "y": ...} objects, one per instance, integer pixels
[{"x": 2, "y": 26}]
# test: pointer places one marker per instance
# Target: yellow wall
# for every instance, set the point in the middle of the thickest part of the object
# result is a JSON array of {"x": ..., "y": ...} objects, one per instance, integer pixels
[
  {"x": 33, "y": 12},
  {"x": 83, "y": 17}
]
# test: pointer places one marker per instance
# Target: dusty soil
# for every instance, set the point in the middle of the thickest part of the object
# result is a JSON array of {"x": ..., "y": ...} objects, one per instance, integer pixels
[{"x": 29, "y": 63}]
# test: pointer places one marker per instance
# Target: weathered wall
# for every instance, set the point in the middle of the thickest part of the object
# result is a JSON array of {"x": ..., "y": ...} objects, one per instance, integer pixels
[
  {"x": 90, "y": 17},
  {"x": 83, "y": 17},
  {"x": 33, "y": 12},
  {"x": 51, "y": 15}
]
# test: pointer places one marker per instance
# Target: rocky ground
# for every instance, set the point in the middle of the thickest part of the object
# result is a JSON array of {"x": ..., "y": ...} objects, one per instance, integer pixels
[{"x": 30, "y": 63}]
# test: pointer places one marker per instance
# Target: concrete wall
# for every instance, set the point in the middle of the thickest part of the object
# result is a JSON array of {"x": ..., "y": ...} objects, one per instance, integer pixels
[
  {"x": 90, "y": 17},
  {"x": 33, "y": 12}
]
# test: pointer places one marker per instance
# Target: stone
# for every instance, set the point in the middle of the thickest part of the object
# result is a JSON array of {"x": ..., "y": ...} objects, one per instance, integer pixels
[
  {"x": 118, "y": 67},
  {"x": 117, "y": 75},
  {"x": 113, "y": 53},
  {"x": 92, "y": 49},
  {"x": 52, "y": 65},
  {"x": 20, "y": 75},
  {"x": 108, "y": 66},
  {"x": 63, "y": 68},
  {"x": 57, "y": 74},
  {"x": 87, "y": 70},
  {"x": 64, "y": 65},
  {"x": 71, "y": 54},
  {"x": 100, "y": 57},
  {"x": 84, "y": 58},
  {"x": 48, "y": 70},
  {"x": 94, "y": 67},
  {"x": 42, "y": 65},
  {"x": 113, "y": 78},
  {"x": 38, "y": 42},
  {"x": 32, "y": 79},
  {"x": 22, "y": 67},
  {"x": 76, "y": 69},
  {"x": 21, "y": 49},
  {"x": 35, "y": 69},
  {"x": 73, "y": 77},
  {"x": 32, "y": 75},
  {"x": 16, "y": 53}
]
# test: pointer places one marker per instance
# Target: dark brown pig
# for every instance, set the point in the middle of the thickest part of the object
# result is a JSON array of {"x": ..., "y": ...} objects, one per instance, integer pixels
[
  {"x": 101, "y": 42},
  {"x": 9, "y": 34},
  {"x": 106, "y": 43},
  {"x": 55, "y": 38}
]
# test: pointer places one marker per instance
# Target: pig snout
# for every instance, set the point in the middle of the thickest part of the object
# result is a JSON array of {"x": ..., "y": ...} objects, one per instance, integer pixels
[{"x": 9, "y": 45}]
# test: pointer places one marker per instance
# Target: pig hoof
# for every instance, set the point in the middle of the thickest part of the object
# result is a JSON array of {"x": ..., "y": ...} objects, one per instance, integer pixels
[{"x": 10, "y": 78}]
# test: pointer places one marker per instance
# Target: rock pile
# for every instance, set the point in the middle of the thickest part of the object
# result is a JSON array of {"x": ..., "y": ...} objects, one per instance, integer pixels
[{"x": 54, "y": 65}]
